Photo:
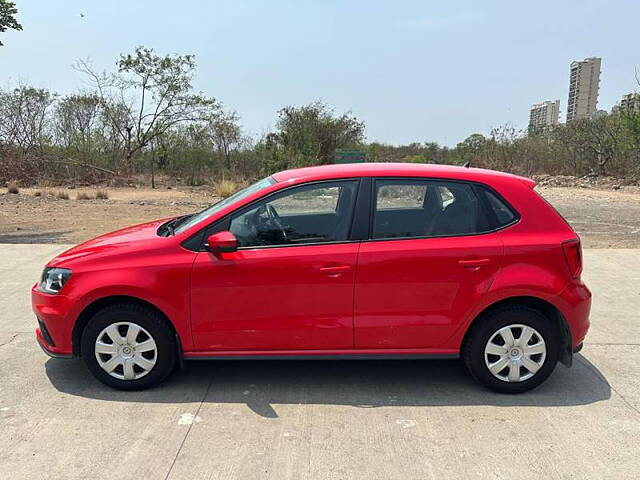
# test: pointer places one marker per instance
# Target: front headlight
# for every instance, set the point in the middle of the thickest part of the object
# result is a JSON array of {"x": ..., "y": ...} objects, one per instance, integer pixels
[{"x": 53, "y": 279}]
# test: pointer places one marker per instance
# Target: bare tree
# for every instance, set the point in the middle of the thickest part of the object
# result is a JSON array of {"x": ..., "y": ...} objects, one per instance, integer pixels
[
  {"x": 147, "y": 96},
  {"x": 77, "y": 121},
  {"x": 226, "y": 135},
  {"x": 24, "y": 119},
  {"x": 602, "y": 136}
]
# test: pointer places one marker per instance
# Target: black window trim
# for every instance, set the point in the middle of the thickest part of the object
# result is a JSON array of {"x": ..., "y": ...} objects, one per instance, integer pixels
[
  {"x": 478, "y": 189},
  {"x": 196, "y": 241}
]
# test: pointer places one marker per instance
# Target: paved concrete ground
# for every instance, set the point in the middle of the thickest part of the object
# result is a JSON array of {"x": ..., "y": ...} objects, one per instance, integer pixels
[{"x": 331, "y": 420}]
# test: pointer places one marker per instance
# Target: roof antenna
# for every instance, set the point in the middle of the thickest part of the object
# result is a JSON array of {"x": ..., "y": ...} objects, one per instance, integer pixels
[{"x": 467, "y": 164}]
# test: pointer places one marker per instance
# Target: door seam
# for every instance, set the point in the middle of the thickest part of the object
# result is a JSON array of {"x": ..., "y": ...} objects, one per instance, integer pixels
[{"x": 353, "y": 298}]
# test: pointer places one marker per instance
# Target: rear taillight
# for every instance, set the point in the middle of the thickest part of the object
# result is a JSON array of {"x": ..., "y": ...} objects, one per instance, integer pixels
[{"x": 573, "y": 256}]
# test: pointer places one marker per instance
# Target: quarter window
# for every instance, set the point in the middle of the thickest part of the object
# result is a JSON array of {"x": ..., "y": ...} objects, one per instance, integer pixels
[{"x": 504, "y": 214}]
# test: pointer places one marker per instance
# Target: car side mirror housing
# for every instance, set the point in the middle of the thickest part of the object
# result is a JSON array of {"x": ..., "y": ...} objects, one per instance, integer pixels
[{"x": 222, "y": 242}]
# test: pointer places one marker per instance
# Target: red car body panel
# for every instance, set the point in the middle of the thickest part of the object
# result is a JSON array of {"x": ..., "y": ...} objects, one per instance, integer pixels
[
  {"x": 392, "y": 308},
  {"x": 132, "y": 262},
  {"x": 298, "y": 297},
  {"x": 410, "y": 296}
]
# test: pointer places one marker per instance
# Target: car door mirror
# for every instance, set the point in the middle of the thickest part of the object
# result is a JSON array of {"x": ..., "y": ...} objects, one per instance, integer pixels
[{"x": 222, "y": 242}]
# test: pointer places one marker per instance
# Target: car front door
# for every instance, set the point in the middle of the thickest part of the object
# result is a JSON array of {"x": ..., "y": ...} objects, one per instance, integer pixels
[
  {"x": 290, "y": 284},
  {"x": 424, "y": 265}
]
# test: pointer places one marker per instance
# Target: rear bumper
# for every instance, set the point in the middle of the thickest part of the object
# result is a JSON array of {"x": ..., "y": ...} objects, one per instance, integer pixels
[{"x": 575, "y": 306}]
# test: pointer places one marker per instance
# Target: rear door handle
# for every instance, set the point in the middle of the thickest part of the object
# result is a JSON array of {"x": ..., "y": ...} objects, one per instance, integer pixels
[
  {"x": 335, "y": 269},
  {"x": 474, "y": 263}
]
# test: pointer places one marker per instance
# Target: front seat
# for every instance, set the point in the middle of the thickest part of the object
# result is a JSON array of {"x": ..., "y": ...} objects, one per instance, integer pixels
[{"x": 344, "y": 219}]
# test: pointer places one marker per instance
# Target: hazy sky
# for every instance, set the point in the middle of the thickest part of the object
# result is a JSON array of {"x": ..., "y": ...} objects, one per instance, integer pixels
[{"x": 412, "y": 70}]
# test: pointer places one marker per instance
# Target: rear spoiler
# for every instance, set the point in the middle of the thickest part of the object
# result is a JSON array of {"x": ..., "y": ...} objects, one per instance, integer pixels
[{"x": 528, "y": 182}]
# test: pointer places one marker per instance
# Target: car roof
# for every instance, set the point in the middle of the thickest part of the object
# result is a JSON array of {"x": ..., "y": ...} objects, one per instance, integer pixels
[{"x": 347, "y": 170}]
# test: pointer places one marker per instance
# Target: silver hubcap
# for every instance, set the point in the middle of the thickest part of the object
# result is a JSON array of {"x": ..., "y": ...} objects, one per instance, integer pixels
[
  {"x": 515, "y": 353},
  {"x": 126, "y": 351}
]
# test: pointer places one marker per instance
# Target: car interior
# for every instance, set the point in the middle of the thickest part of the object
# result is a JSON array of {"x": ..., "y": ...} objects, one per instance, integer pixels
[
  {"x": 442, "y": 209},
  {"x": 326, "y": 216}
]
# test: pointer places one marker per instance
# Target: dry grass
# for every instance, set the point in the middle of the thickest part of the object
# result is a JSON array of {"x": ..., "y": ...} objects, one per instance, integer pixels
[
  {"x": 102, "y": 195},
  {"x": 83, "y": 196},
  {"x": 62, "y": 195},
  {"x": 224, "y": 188},
  {"x": 12, "y": 187}
]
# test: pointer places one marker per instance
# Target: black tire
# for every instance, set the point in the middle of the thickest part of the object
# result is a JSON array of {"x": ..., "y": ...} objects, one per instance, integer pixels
[
  {"x": 152, "y": 322},
  {"x": 484, "y": 328}
]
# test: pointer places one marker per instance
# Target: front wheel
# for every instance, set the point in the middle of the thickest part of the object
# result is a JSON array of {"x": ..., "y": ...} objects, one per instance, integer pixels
[
  {"x": 128, "y": 347},
  {"x": 512, "y": 350}
]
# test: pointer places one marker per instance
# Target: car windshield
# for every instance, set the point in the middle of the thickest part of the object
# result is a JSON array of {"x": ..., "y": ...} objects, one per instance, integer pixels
[{"x": 216, "y": 207}]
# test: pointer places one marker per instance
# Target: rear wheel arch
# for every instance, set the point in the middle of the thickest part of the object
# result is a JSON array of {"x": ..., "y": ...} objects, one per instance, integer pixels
[
  {"x": 101, "y": 303},
  {"x": 547, "y": 309}
]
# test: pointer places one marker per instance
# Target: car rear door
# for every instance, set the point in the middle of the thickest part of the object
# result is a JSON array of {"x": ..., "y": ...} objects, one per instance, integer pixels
[{"x": 425, "y": 264}]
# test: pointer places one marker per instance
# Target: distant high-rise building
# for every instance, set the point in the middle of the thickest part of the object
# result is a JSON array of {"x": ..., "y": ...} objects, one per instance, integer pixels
[
  {"x": 630, "y": 101},
  {"x": 584, "y": 82},
  {"x": 544, "y": 115}
]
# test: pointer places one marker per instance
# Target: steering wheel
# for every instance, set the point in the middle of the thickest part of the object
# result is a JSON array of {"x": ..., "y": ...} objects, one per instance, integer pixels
[{"x": 274, "y": 217}]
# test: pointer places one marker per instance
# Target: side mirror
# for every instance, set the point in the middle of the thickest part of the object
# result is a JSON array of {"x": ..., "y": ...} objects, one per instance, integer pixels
[{"x": 222, "y": 242}]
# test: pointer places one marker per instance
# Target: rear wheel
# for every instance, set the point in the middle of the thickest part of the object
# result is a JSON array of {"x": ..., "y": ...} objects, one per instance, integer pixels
[
  {"x": 512, "y": 350},
  {"x": 128, "y": 347}
]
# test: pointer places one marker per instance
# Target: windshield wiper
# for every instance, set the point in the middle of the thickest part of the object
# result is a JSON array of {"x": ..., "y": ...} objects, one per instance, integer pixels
[{"x": 171, "y": 225}]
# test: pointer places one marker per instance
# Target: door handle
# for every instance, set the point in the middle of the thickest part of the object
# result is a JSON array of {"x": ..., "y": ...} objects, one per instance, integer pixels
[
  {"x": 336, "y": 269},
  {"x": 474, "y": 263}
]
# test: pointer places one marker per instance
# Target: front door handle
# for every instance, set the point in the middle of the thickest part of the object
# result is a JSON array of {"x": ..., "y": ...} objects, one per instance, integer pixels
[
  {"x": 474, "y": 263},
  {"x": 335, "y": 269}
]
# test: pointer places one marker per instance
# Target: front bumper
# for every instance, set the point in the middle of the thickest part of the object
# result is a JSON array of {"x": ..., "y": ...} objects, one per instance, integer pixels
[
  {"x": 55, "y": 329},
  {"x": 49, "y": 349}
]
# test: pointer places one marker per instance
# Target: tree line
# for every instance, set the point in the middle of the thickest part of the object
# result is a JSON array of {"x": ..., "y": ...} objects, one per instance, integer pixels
[{"x": 144, "y": 117}]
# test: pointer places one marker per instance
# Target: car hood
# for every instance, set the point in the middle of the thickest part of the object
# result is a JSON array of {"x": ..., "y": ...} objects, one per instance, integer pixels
[{"x": 120, "y": 240}]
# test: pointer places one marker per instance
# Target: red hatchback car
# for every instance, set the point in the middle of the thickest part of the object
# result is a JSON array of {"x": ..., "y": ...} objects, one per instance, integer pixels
[{"x": 349, "y": 261}]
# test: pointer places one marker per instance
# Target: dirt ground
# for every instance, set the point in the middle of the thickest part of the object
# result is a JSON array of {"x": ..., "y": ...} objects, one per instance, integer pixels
[
  {"x": 26, "y": 218},
  {"x": 605, "y": 218}
]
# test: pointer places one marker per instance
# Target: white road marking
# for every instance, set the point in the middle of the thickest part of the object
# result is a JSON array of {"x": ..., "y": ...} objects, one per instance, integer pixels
[
  {"x": 407, "y": 423},
  {"x": 188, "y": 419}
]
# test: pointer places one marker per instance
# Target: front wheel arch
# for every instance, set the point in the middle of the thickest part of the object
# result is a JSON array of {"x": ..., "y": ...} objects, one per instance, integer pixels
[
  {"x": 97, "y": 305},
  {"x": 550, "y": 311}
]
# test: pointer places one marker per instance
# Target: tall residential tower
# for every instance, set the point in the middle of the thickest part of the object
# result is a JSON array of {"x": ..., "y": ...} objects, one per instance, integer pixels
[
  {"x": 584, "y": 82},
  {"x": 544, "y": 115}
]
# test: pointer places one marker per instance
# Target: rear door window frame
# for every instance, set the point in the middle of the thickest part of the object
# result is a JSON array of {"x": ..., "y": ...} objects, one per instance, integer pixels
[{"x": 478, "y": 190}]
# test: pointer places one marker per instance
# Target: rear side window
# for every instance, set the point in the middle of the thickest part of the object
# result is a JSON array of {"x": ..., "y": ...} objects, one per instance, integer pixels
[
  {"x": 407, "y": 208},
  {"x": 503, "y": 213}
]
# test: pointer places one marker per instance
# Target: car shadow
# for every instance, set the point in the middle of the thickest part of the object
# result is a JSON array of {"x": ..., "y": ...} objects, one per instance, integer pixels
[
  {"x": 262, "y": 385},
  {"x": 30, "y": 237}
]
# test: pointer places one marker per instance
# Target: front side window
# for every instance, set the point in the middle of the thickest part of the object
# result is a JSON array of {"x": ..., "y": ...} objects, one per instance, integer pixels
[
  {"x": 316, "y": 213},
  {"x": 426, "y": 208}
]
